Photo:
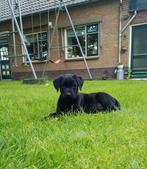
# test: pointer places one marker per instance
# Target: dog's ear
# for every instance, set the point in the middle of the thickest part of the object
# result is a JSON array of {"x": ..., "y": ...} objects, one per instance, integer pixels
[
  {"x": 57, "y": 82},
  {"x": 79, "y": 80}
]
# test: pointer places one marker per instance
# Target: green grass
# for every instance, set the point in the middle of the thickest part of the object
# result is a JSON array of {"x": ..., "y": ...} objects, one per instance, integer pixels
[{"x": 115, "y": 140}]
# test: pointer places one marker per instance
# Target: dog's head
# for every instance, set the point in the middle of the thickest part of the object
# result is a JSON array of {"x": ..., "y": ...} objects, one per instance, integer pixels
[{"x": 68, "y": 85}]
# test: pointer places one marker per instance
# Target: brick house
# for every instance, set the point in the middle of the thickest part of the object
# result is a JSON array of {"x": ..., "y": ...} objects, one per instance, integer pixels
[{"x": 109, "y": 31}]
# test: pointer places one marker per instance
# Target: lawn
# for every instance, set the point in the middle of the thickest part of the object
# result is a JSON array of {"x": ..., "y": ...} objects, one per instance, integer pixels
[{"x": 114, "y": 140}]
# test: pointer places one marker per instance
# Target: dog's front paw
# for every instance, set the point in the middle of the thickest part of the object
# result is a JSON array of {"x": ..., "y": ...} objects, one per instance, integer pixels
[{"x": 51, "y": 115}]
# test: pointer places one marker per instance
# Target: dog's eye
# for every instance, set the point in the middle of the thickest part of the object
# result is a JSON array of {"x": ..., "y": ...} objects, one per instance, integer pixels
[{"x": 62, "y": 88}]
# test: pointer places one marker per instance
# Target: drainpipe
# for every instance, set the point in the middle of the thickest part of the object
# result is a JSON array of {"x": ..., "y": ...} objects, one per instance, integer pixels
[
  {"x": 120, "y": 27},
  {"x": 121, "y": 30},
  {"x": 125, "y": 27}
]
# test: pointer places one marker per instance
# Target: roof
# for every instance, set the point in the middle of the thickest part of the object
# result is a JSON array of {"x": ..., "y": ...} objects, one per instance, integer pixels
[{"x": 34, "y": 6}]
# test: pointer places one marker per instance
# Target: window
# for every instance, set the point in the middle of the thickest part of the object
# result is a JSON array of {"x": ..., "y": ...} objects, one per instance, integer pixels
[
  {"x": 140, "y": 41},
  {"x": 4, "y": 53},
  {"x": 88, "y": 37},
  {"x": 37, "y": 45}
]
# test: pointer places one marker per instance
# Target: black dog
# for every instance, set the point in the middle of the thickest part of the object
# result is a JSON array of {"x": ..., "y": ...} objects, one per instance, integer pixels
[{"x": 71, "y": 100}]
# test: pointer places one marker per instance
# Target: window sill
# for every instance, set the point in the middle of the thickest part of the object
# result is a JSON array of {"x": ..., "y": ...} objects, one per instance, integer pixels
[
  {"x": 36, "y": 61},
  {"x": 81, "y": 58}
]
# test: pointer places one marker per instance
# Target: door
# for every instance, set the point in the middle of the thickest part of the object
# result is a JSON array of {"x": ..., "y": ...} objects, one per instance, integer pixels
[
  {"x": 4, "y": 62},
  {"x": 139, "y": 52}
]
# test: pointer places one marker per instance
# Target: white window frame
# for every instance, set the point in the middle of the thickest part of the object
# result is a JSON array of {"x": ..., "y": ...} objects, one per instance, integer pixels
[
  {"x": 24, "y": 59},
  {"x": 87, "y": 57}
]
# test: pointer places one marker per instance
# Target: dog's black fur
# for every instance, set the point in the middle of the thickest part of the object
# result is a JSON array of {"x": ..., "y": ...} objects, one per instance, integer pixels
[{"x": 71, "y": 100}]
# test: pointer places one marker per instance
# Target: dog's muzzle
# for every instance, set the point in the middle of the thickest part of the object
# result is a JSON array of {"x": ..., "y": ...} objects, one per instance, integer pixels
[{"x": 68, "y": 94}]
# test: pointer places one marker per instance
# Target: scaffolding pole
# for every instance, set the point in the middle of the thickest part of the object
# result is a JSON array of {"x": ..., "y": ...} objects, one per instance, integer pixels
[
  {"x": 22, "y": 38},
  {"x": 21, "y": 27},
  {"x": 79, "y": 44},
  {"x": 14, "y": 37}
]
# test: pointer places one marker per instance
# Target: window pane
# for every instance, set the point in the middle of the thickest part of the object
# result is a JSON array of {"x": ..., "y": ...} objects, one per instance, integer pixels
[
  {"x": 43, "y": 46},
  {"x": 33, "y": 50},
  {"x": 4, "y": 72},
  {"x": 42, "y": 36},
  {"x": 88, "y": 36},
  {"x": 140, "y": 41},
  {"x": 7, "y": 66},
  {"x": 79, "y": 30},
  {"x": 32, "y": 46},
  {"x": 8, "y": 73},
  {"x": 73, "y": 47},
  {"x": 140, "y": 63},
  {"x": 31, "y": 38},
  {"x": 4, "y": 53},
  {"x": 37, "y": 46},
  {"x": 92, "y": 45},
  {"x": 92, "y": 28},
  {"x": 3, "y": 67}
]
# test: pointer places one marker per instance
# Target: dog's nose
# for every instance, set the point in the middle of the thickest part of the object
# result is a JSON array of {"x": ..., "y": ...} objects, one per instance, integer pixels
[{"x": 68, "y": 94}]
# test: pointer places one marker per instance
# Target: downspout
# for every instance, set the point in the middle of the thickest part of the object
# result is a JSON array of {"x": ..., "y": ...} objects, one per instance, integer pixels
[
  {"x": 120, "y": 27},
  {"x": 125, "y": 27},
  {"x": 121, "y": 30}
]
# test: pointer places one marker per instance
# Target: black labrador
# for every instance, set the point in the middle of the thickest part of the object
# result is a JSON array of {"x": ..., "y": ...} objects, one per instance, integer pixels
[{"x": 71, "y": 100}]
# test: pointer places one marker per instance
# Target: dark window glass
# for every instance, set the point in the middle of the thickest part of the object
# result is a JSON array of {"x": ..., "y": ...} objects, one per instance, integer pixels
[
  {"x": 140, "y": 41},
  {"x": 37, "y": 45},
  {"x": 88, "y": 37}
]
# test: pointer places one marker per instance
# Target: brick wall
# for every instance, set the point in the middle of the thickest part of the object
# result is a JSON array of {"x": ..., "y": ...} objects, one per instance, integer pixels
[
  {"x": 140, "y": 18},
  {"x": 125, "y": 38}
]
